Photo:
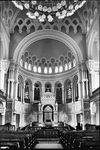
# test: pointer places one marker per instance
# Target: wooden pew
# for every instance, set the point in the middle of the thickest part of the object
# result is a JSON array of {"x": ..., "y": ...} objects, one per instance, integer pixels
[
  {"x": 13, "y": 143},
  {"x": 23, "y": 138},
  {"x": 89, "y": 140},
  {"x": 77, "y": 139}
]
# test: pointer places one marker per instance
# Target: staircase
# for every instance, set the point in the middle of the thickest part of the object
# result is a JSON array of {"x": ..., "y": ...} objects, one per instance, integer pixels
[
  {"x": 48, "y": 139},
  {"x": 50, "y": 144}
]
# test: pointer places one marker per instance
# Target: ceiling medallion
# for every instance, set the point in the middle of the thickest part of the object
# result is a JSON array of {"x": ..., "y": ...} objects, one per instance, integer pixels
[{"x": 49, "y": 9}]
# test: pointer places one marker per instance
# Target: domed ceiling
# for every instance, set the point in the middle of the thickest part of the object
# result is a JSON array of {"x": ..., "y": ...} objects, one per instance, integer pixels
[
  {"x": 47, "y": 55},
  {"x": 47, "y": 48}
]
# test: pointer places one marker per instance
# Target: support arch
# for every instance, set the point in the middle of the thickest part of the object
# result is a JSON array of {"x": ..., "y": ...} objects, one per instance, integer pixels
[{"x": 38, "y": 35}]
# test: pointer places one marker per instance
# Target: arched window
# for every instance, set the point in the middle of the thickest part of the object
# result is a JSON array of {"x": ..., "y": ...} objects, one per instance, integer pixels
[
  {"x": 68, "y": 91},
  {"x": 48, "y": 87},
  {"x": 39, "y": 69},
  {"x": 66, "y": 67},
  {"x": 59, "y": 93},
  {"x": 60, "y": 69},
  {"x": 29, "y": 67},
  {"x": 35, "y": 69},
  {"x": 74, "y": 63},
  {"x": 25, "y": 65},
  {"x": 37, "y": 92},
  {"x": 20, "y": 89},
  {"x": 69, "y": 65},
  {"x": 56, "y": 69},
  {"x": 50, "y": 70},
  {"x": 27, "y": 92},
  {"x": 45, "y": 70},
  {"x": 75, "y": 87},
  {"x": 21, "y": 63}
]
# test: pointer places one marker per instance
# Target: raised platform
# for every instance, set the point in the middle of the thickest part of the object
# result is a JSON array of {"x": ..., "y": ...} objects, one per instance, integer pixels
[
  {"x": 48, "y": 146},
  {"x": 48, "y": 140}
]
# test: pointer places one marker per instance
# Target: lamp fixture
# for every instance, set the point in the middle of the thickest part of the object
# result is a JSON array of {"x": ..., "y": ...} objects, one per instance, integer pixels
[{"x": 49, "y": 9}]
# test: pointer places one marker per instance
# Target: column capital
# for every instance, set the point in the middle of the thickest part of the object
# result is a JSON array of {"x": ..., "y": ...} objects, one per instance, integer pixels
[
  {"x": 4, "y": 65},
  {"x": 12, "y": 80},
  {"x": 90, "y": 66}
]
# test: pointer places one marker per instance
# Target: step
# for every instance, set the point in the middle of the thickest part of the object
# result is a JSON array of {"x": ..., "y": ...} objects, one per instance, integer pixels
[
  {"x": 48, "y": 140},
  {"x": 49, "y": 146}
]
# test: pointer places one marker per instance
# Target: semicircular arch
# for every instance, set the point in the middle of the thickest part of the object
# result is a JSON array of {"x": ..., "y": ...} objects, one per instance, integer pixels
[
  {"x": 91, "y": 42},
  {"x": 38, "y": 35}
]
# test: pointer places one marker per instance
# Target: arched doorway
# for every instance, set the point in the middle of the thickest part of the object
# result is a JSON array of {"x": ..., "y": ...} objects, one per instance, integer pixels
[{"x": 48, "y": 113}]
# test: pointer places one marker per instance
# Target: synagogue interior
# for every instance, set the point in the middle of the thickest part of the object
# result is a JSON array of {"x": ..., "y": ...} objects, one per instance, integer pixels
[{"x": 49, "y": 74}]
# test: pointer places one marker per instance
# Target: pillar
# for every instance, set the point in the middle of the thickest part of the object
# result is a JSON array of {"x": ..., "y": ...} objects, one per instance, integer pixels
[
  {"x": 72, "y": 87},
  {"x": 83, "y": 92},
  {"x": 4, "y": 65},
  {"x": 80, "y": 81},
  {"x": 33, "y": 92},
  {"x": 11, "y": 79},
  {"x": 43, "y": 88},
  {"x": 90, "y": 67},
  {"x": 16, "y": 81},
  {"x": 23, "y": 90},
  {"x": 84, "y": 81},
  {"x": 63, "y": 101},
  {"x": 12, "y": 89},
  {"x": 53, "y": 88},
  {"x": 56, "y": 113}
]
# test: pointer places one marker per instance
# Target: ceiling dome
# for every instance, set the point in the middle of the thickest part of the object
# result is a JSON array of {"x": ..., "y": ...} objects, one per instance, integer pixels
[{"x": 47, "y": 56}]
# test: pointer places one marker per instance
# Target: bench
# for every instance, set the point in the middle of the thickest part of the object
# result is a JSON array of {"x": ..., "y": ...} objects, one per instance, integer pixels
[
  {"x": 77, "y": 139},
  {"x": 21, "y": 140}
]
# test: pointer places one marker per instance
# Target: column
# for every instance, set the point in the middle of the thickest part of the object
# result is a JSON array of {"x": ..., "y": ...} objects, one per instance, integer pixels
[
  {"x": 80, "y": 81},
  {"x": 4, "y": 65},
  {"x": 90, "y": 67},
  {"x": 3, "y": 113},
  {"x": 12, "y": 89},
  {"x": 23, "y": 91},
  {"x": 87, "y": 89},
  {"x": 63, "y": 94},
  {"x": 16, "y": 89},
  {"x": 53, "y": 92},
  {"x": 79, "y": 90},
  {"x": 8, "y": 91},
  {"x": 11, "y": 78},
  {"x": 72, "y": 91},
  {"x": 43, "y": 88},
  {"x": 16, "y": 80},
  {"x": 33, "y": 92},
  {"x": 56, "y": 113},
  {"x": 84, "y": 80},
  {"x": 14, "y": 119},
  {"x": 83, "y": 89}
]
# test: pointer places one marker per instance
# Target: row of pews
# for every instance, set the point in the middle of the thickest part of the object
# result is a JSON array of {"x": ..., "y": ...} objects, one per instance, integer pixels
[
  {"x": 17, "y": 140},
  {"x": 80, "y": 140},
  {"x": 70, "y": 139}
]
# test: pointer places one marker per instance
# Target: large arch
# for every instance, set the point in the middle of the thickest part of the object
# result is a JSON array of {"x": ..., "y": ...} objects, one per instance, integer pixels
[
  {"x": 48, "y": 33},
  {"x": 91, "y": 42}
]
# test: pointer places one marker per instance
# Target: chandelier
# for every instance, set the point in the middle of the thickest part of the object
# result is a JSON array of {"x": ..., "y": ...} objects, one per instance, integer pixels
[{"x": 49, "y": 9}]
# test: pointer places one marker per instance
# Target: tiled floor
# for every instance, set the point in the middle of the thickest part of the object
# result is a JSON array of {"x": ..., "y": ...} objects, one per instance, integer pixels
[{"x": 48, "y": 146}]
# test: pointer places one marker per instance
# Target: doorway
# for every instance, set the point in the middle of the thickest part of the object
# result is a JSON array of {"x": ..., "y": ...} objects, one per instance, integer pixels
[{"x": 48, "y": 113}]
